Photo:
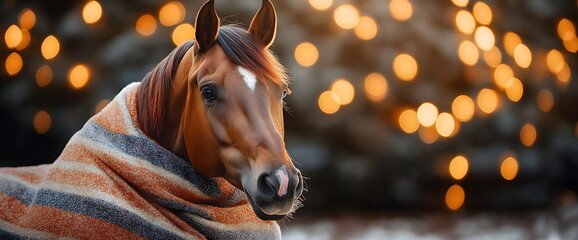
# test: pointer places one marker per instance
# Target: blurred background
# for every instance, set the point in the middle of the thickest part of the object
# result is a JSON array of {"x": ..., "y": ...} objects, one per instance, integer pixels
[{"x": 413, "y": 119}]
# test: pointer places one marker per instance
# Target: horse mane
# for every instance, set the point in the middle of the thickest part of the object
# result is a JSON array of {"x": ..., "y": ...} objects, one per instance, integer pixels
[{"x": 242, "y": 49}]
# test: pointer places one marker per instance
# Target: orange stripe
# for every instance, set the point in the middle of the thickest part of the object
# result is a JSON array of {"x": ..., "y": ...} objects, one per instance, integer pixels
[
  {"x": 60, "y": 222},
  {"x": 33, "y": 175}
]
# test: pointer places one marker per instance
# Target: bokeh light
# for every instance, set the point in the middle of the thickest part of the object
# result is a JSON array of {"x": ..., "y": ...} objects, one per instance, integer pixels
[
  {"x": 455, "y": 197},
  {"x": 366, "y": 29},
  {"x": 487, "y": 100},
  {"x": 344, "y": 90},
  {"x": 555, "y": 61},
  {"x": 511, "y": 40},
  {"x": 78, "y": 76},
  {"x": 321, "y": 4},
  {"x": 427, "y": 114},
  {"x": 13, "y": 36},
  {"x": 27, "y": 19},
  {"x": 182, "y": 33},
  {"x": 484, "y": 38},
  {"x": 458, "y": 167},
  {"x": 493, "y": 57},
  {"x": 482, "y": 13},
  {"x": 522, "y": 55},
  {"x": 408, "y": 121},
  {"x": 42, "y": 122},
  {"x": 346, "y": 16},
  {"x": 509, "y": 168},
  {"x": 460, "y": 3},
  {"x": 172, "y": 13},
  {"x": 463, "y": 108},
  {"x": 375, "y": 87},
  {"x": 502, "y": 74},
  {"x": 400, "y": 10},
  {"x": 545, "y": 100},
  {"x": 13, "y": 64},
  {"x": 306, "y": 54},
  {"x": 428, "y": 135},
  {"x": 146, "y": 25},
  {"x": 445, "y": 124},
  {"x": 566, "y": 29},
  {"x": 25, "y": 40},
  {"x": 571, "y": 45},
  {"x": 528, "y": 134},
  {"x": 405, "y": 67},
  {"x": 44, "y": 76},
  {"x": 329, "y": 102},
  {"x": 50, "y": 47},
  {"x": 564, "y": 75},
  {"x": 465, "y": 22},
  {"x": 514, "y": 89},
  {"x": 468, "y": 53},
  {"x": 91, "y": 12}
]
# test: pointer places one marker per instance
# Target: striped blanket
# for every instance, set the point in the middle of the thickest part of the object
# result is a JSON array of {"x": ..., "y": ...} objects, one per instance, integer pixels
[{"x": 113, "y": 182}]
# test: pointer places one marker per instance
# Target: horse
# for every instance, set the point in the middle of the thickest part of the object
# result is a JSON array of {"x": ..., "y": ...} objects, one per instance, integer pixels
[{"x": 193, "y": 151}]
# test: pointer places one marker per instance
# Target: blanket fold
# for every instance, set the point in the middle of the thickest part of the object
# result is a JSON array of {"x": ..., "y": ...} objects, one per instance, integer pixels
[{"x": 113, "y": 182}]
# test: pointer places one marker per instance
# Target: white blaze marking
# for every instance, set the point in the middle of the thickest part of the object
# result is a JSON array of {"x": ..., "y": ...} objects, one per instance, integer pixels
[
  {"x": 283, "y": 181},
  {"x": 248, "y": 76}
]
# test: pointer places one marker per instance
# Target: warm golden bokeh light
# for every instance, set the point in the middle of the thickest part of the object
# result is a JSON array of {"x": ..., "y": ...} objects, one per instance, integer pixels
[
  {"x": 346, "y": 16},
  {"x": 465, "y": 22},
  {"x": 44, "y": 76},
  {"x": 564, "y": 74},
  {"x": 522, "y": 55},
  {"x": 91, "y": 12},
  {"x": 502, "y": 74},
  {"x": 344, "y": 90},
  {"x": 463, "y": 108},
  {"x": 13, "y": 64},
  {"x": 487, "y": 100},
  {"x": 468, "y": 53},
  {"x": 458, "y": 167},
  {"x": 375, "y": 87},
  {"x": 182, "y": 33},
  {"x": 509, "y": 168},
  {"x": 427, "y": 114},
  {"x": 25, "y": 40},
  {"x": 172, "y": 13},
  {"x": 146, "y": 25},
  {"x": 514, "y": 89},
  {"x": 493, "y": 57},
  {"x": 528, "y": 134},
  {"x": 321, "y": 4},
  {"x": 484, "y": 38},
  {"x": 329, "y": 102},
  {"x": 366, "y": 29},
  {"x": 400, "y": 10},
  {"x": 405, "y": 67},
  {"x": 545, "y": 100},
  {"x": 27, "y": 19},
  {"x": 460, "y": 3},
  {"x": 555, "y": 61},
  {"x": 13, "y": 36},
  {"x": 50, "y": 47},
  {"x": 455, "y": 197},
  {"x": 306, "y": 54},
  {"x": 408, "y": 121},
  {"x": 511, "y": 40},
  {"x": 571, "y": 45},
  {"x": 566, "y": 29},
  {"x": 428, "y": 135},
  {"x": 41, "y": 122},
  {"x": 482, "y": 13},
  {"x": 78, "y": 76},
  {"x": 445, "y": 124},
  {"x": 101, "y": 105}
]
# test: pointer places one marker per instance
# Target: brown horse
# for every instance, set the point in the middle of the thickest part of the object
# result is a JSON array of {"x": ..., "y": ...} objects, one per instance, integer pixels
[{"x": 219, "y": 104}]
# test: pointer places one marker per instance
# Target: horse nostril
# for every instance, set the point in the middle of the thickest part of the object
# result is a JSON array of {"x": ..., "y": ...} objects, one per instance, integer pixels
[
  {"x": 299, "y": 187},
  {"x": 267, "y": 185}
]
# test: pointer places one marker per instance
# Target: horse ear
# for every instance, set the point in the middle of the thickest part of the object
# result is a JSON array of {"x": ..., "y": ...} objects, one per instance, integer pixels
[
  {"x": 206, "y": 26},
  {"x": 264, "y": 24}
]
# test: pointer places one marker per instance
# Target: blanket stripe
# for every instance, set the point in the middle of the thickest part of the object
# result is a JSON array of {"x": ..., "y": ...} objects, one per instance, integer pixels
[{"x": 113, "y": 182}]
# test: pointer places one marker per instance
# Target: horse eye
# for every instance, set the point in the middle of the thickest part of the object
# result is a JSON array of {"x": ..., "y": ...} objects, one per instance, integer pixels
[
  {"x": 208, "y": 95},
  {"x": 284, "y": 93}
]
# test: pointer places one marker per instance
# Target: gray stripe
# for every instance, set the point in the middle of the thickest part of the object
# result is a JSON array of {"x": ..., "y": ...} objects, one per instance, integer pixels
[{"x": 17, "y": 190}]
